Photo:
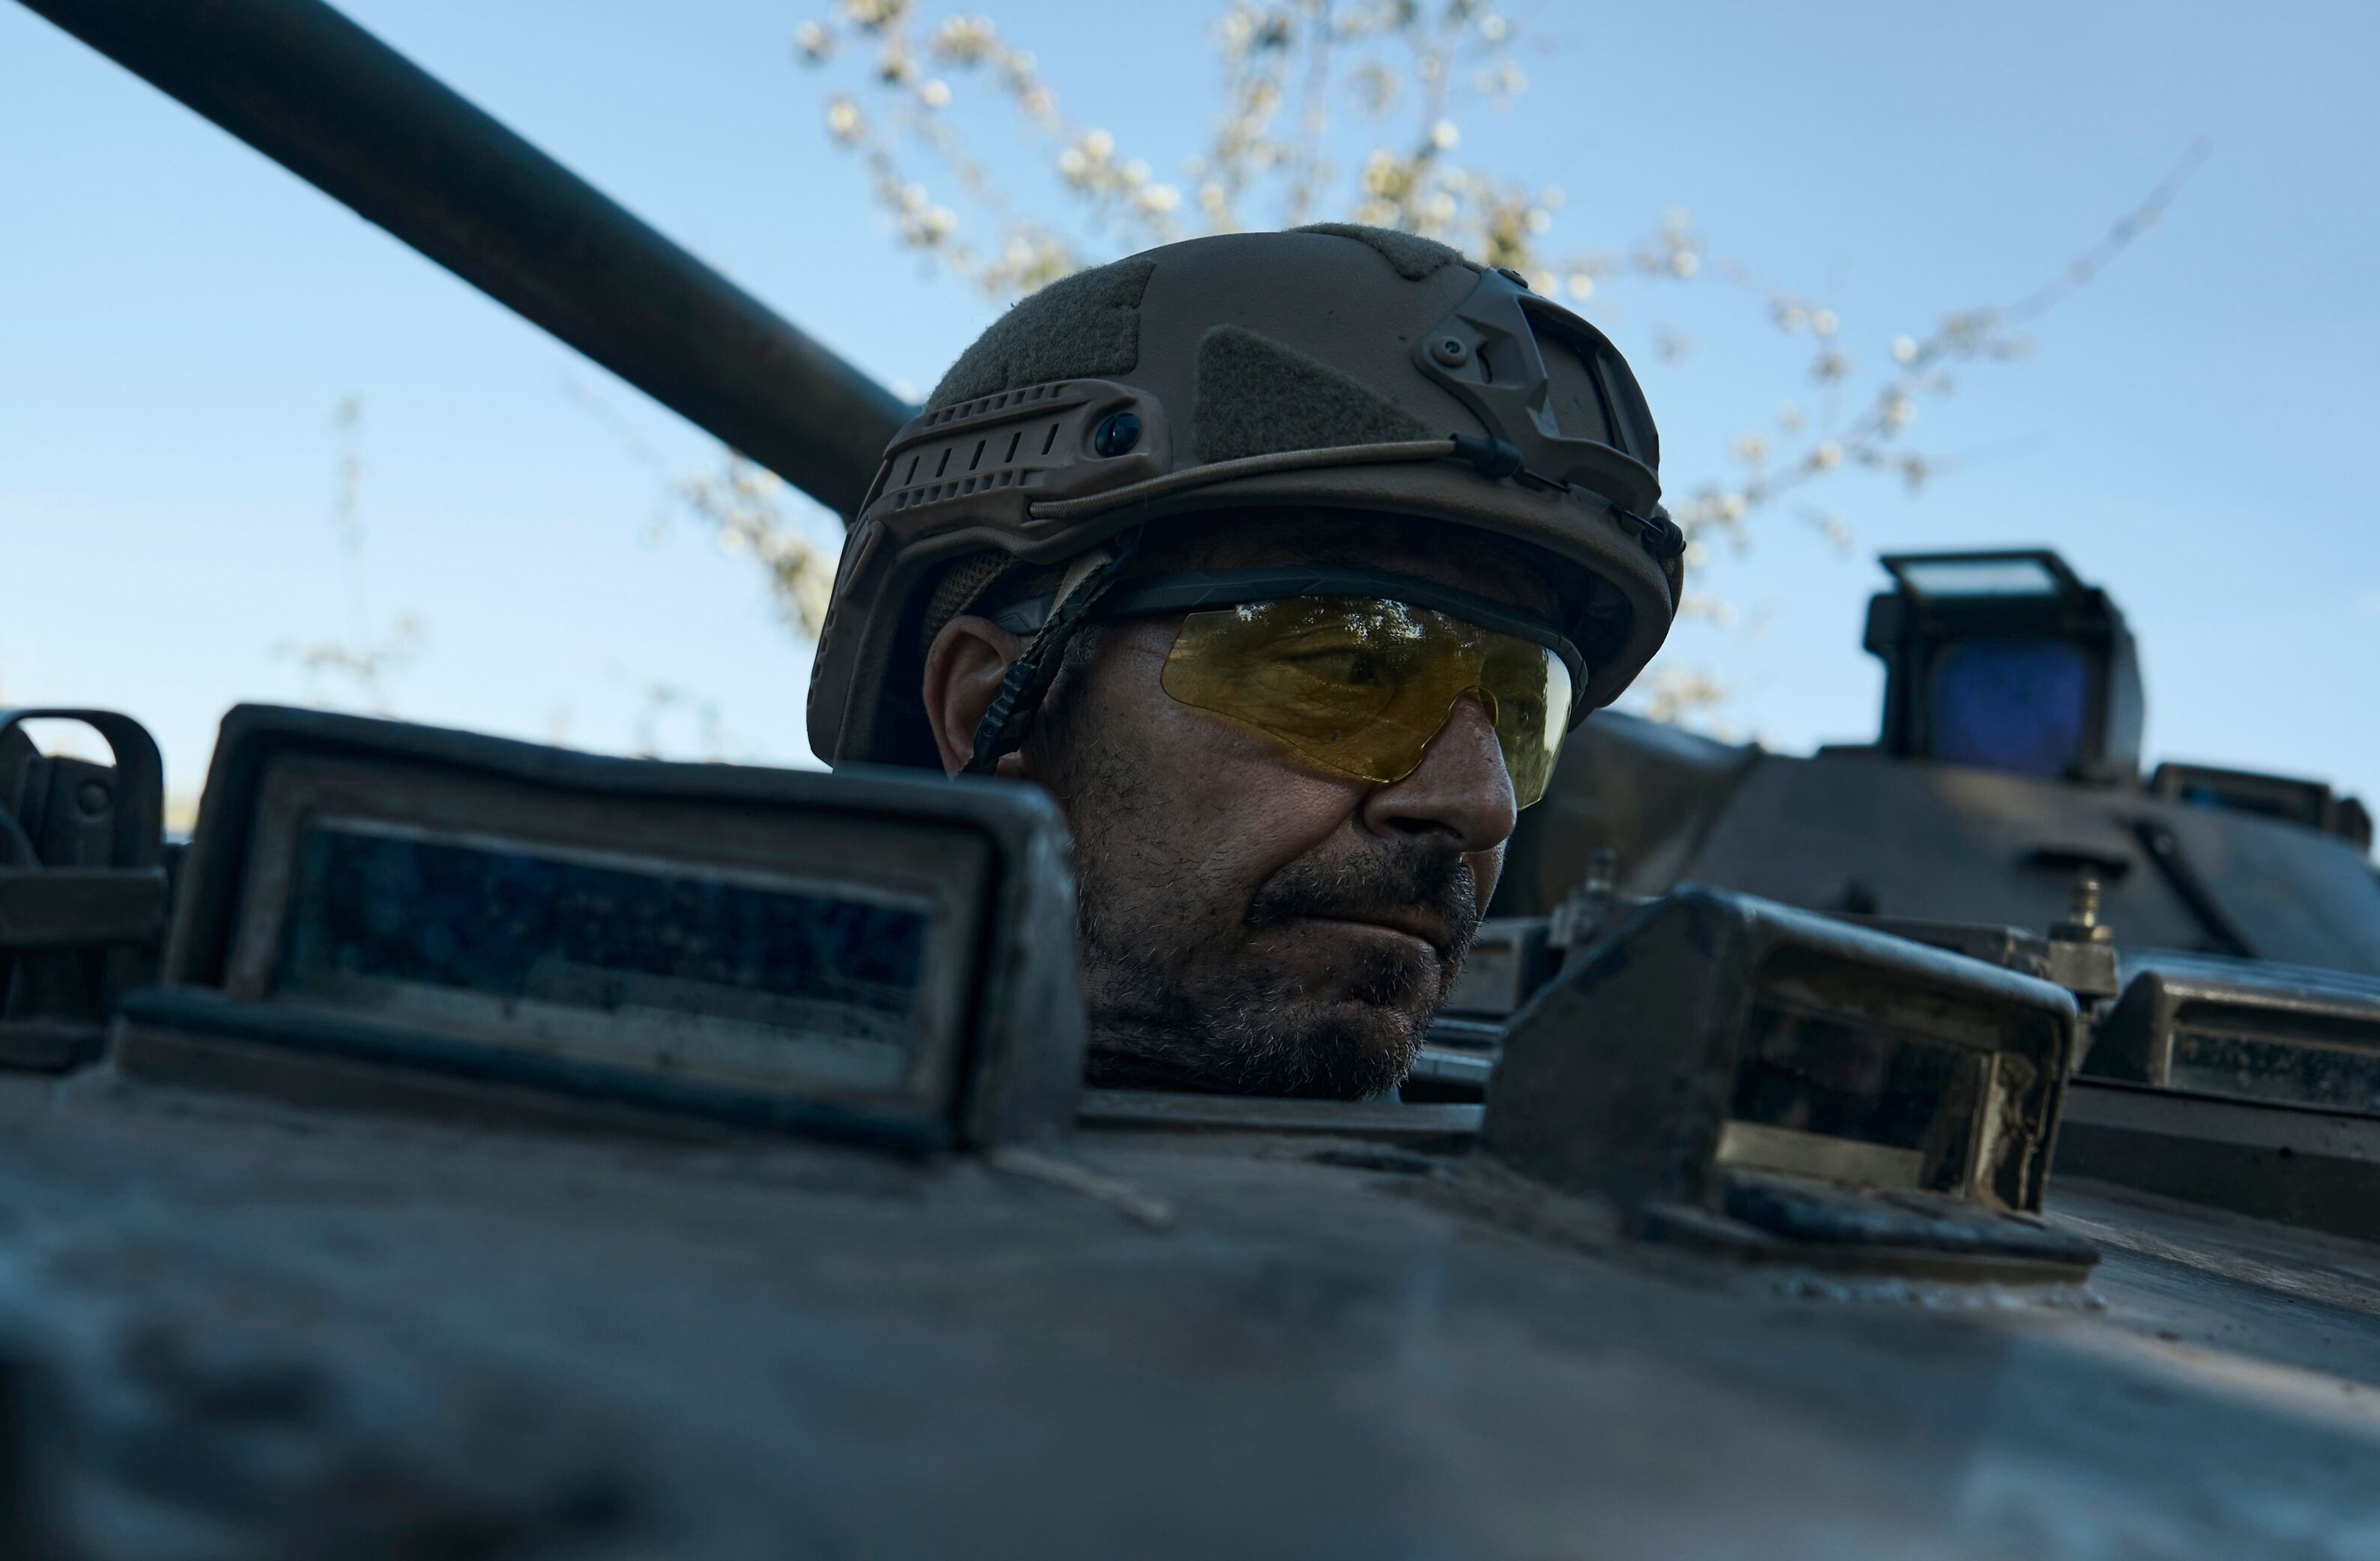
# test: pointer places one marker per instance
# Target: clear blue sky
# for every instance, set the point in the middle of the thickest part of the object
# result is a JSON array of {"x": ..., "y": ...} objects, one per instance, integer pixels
[{"x": 179, "y": 318}]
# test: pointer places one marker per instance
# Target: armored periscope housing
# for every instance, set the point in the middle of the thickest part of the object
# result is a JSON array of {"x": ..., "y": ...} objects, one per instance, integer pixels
[
  {"x": 1739, "y": 1075},
  {"x": 385, "y": 914},
  {"x": 2251, "y": 1087},
  {"x": 2006, "y": 659}
]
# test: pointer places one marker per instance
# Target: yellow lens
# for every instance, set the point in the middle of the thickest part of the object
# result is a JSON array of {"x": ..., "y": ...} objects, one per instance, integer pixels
[
  {"x": 1531, "y": 709},
  {"x": 1361, "y": 685}
]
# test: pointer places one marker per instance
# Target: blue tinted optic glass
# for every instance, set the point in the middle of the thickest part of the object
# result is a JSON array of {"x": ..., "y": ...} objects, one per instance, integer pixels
[
  {"x": 2018, "y": 704},
  {"x": 512, "y": 942},
  {"x": 511, "y": 922}
]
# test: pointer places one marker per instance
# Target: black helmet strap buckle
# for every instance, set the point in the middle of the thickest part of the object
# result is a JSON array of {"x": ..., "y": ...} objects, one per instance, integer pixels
[{"x": 1028, "y": 679}]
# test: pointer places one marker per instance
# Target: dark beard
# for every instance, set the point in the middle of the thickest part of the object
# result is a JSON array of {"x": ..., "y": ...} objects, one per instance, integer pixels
[{"x": 1247, "y": 1030}]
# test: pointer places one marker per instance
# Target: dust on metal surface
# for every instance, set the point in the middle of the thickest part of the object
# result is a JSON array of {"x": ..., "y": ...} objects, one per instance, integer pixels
[{"x": 522, "y": 1153}]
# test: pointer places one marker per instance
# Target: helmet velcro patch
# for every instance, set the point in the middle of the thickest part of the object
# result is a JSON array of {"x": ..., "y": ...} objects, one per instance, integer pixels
[
  {"x": 1257, "y": 397},
  {"x": 1414, "y": 256},
  {"x": 1084, "y": 326}
]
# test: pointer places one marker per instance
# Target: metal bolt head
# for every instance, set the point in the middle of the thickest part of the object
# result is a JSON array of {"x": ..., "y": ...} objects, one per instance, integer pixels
[
  {"x": 1452, "y": 351},
  {"x": 2082, "y": 924},
  {"x": 92, "y": 798},
  {"x": 1117, "y": 433},
  {"x": 2083, "y": 904}
]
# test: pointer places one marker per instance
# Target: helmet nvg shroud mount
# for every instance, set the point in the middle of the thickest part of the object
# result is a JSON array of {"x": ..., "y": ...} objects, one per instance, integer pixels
[{"x": 1339, "y": 367}]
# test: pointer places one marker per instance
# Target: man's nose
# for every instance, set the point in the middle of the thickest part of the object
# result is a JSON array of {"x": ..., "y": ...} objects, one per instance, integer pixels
[{"x": 1459, "y": 793}]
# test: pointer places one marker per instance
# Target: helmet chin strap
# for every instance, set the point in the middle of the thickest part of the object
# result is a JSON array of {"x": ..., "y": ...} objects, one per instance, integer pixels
[{"x": 1028, "y": 679}]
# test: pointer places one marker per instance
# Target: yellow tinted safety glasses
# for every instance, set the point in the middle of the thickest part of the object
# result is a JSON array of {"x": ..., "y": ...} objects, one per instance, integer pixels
[
  {"x": 1354, "y": 669},
  {"x": 1358, "y": 671}
]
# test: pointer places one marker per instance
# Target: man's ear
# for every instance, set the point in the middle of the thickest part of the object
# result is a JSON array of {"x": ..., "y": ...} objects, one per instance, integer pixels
[{"x": 963, "y": 667}]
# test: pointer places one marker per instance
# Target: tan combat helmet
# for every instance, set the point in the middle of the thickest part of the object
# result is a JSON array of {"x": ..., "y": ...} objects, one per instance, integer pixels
[{"x": 1344, "y": 367}]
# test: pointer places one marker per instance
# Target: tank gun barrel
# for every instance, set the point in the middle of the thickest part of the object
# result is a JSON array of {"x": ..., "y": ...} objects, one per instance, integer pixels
[{"x": 334, "y": 105}]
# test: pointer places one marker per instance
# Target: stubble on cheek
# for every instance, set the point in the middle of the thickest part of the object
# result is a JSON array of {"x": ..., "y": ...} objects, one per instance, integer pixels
[{"x": 1204, "y": 969}]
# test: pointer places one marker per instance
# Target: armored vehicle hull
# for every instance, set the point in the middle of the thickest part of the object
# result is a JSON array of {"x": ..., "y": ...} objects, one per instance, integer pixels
[
  {"x": 279, "y": 1333},
  {"x": 1866, "y": 832},
  {"x": 487, "y": 1150}
]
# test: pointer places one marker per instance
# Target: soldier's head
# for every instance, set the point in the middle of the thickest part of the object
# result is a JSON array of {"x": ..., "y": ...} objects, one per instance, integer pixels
[{"x": 1284, "y": 562}]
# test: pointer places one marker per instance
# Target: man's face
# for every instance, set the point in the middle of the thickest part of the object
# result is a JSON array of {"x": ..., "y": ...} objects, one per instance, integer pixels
[{"x": 1250, "y": 921}]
